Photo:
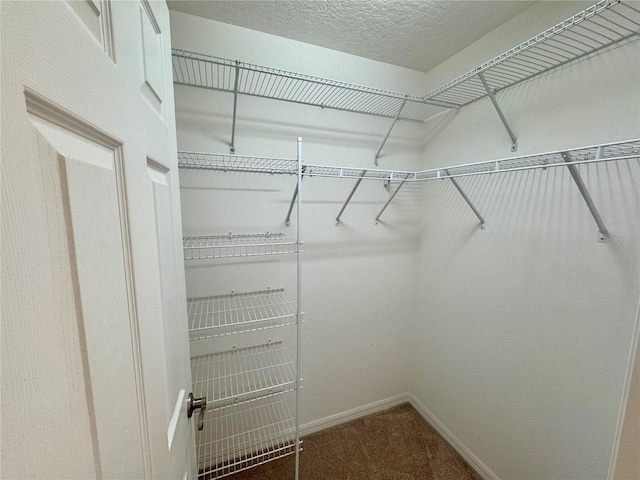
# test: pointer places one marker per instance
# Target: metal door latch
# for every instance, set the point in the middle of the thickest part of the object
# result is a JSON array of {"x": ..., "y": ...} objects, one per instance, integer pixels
[{"x": 194, "y": 403}]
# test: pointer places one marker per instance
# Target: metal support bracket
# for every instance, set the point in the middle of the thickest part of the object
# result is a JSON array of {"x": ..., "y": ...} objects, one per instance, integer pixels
[
  {"x": 514, "y": 140},
  {"x": 353, "y": 190},
  {"x": 388, "y": 202},
  {"x": 603, "y": 234},
  {"x": 232, "y": 149},
  {"x": 466, "y": 199},
  {"x": 287, "y": 221},
  {"x": 375, "y": 160}
]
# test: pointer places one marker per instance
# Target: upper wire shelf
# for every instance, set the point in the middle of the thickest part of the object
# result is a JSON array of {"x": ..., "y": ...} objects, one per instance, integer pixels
[
  {"x": 216, "y": 73},
  {"x": 239, "y": 313},
  {"x": 245, "y": 436},
  {"x": 604, "y": 24},
  {"x": 247, "y": 245},
  {"x": 244, "y": 374},
  {"x": 237, "y": 163}
]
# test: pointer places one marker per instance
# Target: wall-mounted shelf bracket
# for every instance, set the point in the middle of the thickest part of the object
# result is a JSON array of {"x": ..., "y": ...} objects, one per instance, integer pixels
[
  {"x": 287, "y": 221},
  {"x": 353, "y": 190},
  {"x": 514, "y": 140},
  {"x": 389, "y": 201},
  {"x": 375, "y": 160},
  {"x": 232, "y": 149},
  {"x": 466, "y": 199},
  {"x": 603, "y": 233}
]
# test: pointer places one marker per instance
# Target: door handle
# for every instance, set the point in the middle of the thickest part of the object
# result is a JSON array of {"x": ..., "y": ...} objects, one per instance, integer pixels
[{"x": 193, "y": 404}]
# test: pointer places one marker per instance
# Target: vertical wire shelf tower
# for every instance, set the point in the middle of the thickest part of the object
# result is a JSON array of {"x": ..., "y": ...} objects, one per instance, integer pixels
[{"x": 248, "y": 422}]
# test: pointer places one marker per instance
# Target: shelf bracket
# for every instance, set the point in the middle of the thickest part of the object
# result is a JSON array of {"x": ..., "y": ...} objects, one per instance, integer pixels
[
  {"x": 514, "y": 140},
  {"x": 375, "y": 160},
  {"x": 287, "y": 221},
  {"x": 603, "y": 233},
  {"x": 235, "y": 106},
  {"x": 389, "y": 201},
  {"x": 353, "y": 190},
  {"x": 466, "y": 199}
]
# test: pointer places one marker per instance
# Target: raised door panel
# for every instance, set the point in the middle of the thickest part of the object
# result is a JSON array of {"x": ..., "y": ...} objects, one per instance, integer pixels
[
  {"x": 92, "y": 193},
  {"x": 96, "y": 16}
]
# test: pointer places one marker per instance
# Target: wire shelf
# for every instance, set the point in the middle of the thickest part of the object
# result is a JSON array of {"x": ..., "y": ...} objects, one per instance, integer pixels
[
  {"x": 599, "y": 153},
  {"x": 604, "y": 24},
  {"x": 247, "y": 245},
  {"x": 609, "y": 152},
  {"x": 237, "y": 163},
  {"x": 357, "y": 173},
  {"x": 600, "y": 26},
  {"x": 215, "y": 73},
  {"x": 240, "y": 375},
  {"x": 245, "y": 436},
  {"x": 240, "y": 313}
]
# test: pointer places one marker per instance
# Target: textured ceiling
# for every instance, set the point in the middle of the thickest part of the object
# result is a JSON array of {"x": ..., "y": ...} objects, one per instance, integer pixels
[{"x": 417, "y": 34}]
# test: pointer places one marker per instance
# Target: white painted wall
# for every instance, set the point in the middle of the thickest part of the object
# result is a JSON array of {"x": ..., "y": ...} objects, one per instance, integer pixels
[
  {"x": 357, "y": 278},
  {"x": 523, "y": 331}
]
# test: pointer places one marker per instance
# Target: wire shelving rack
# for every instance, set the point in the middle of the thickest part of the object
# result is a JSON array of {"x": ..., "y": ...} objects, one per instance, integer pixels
[
  {"x": 216, "y": 73},
  {"x": 243, "y": 245},
  {"x": 237, "y": 163},
  {"x": 609, "y": 152},
  {"x": 568, "y": 158},
  {"x": 240, "y": 375},
  {"x": 220, "y": 315},
  {"x": 243, "y": 388},
  {"x": 604, "y": 24},
  {"x": 244, "y": 437}
]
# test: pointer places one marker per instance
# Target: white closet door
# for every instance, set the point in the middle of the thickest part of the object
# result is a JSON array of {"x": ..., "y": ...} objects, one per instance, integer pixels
[{"x": 95, "y": 360}]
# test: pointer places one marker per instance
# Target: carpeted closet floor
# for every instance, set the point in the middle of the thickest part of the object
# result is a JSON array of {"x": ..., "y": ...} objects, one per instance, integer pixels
[{"x": 396, "y": 444}]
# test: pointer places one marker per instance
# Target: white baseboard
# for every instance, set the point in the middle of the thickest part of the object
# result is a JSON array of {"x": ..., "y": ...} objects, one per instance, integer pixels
[
  {"x": 344, "y": 417},
  {"x": 467, "y": 454}
]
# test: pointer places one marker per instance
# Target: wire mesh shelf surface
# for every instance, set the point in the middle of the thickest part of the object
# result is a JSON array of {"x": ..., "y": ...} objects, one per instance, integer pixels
[
  {"x": 235, "y": 376},
  {"x": 240, "y": 313},
  {"x": 237, "y": 163},
  {"x": 357, "y": 173},
  {"x": 598, "y": 153},
  {"x": 247, "y": 245},
  {"x": 207, "y": 71},
  {"x": 604, "y": 24},
  {"x": 612, "y": 151},
  {"x": 245, "y": 436}
]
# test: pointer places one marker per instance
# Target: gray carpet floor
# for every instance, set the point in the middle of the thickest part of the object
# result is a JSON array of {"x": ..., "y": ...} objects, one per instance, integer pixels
[{"x": 396, "y": 444}]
